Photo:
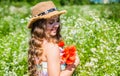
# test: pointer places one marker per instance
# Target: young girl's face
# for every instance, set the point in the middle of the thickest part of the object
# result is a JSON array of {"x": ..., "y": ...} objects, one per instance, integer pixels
[{"x": 52, "y": 25}]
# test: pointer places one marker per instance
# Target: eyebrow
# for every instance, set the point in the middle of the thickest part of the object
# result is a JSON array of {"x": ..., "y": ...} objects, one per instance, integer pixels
[{"x": 51, "y": 20}]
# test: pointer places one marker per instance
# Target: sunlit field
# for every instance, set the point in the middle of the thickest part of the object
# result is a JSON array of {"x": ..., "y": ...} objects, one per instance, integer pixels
[{"x": 94, "y": 30}]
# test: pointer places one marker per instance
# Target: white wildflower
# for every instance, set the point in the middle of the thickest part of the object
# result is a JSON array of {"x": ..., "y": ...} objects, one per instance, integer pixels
[
  {"x": 118, "y": 48},
  {"x": 94, "y": 59},
  {"x": 22, "y": 21},
  {"x": 89, "y": 64},
  {"x": 93, "y": 50}
]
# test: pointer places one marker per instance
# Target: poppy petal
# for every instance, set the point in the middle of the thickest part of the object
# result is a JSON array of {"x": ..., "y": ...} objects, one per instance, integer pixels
[{"x": 61, "y": 44}]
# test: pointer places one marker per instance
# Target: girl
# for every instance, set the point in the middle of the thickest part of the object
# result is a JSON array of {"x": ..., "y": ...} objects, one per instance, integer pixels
[{"x": 44, "y": 53}]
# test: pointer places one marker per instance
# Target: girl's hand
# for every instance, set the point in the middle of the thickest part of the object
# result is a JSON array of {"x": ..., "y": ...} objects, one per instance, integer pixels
[
  {"x": 70, "y": 68},
  {"x": 77, "y": 61},
  {"x": 75, "y": 64}
]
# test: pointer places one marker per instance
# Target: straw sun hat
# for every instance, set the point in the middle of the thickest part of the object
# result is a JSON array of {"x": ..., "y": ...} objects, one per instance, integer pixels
[{"x": 43, "y": 10}]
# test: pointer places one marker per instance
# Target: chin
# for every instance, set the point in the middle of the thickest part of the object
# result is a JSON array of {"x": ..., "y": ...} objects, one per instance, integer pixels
[{"x": 53, "y": 34}]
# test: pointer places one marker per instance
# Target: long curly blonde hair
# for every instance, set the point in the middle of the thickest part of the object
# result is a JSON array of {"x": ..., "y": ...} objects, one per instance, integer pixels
[{"x": 36, "y": 40}]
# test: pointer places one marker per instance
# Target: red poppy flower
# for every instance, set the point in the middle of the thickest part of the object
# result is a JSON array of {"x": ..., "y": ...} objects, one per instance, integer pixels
[
  {"x": 72, "y": 57},
  {"x": 66, "y": 50},
  {"x": 61, "y": 44},
  {"x": 65, "y": 57},
  {"x": 72, "y": 48},
  {"x": 69, "y": 61},
  {"x": 69, "y": 54}
]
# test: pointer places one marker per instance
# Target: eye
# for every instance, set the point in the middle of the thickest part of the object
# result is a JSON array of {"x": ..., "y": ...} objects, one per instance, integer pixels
[{"x": 51, "y": 22}]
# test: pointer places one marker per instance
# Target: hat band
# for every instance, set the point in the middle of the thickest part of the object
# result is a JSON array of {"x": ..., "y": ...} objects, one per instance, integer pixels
[{"x": 47, "y": 11}]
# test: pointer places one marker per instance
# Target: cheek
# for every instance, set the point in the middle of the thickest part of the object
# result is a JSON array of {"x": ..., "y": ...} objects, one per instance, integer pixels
[
  {"x": 48, "y": 29},
  {"x": 49, "y": 26}
]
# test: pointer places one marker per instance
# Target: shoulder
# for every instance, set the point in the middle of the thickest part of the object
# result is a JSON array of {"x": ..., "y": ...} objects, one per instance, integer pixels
[
  {"x": 51, "y": 49},
  {"x": 50, "y": 46}
]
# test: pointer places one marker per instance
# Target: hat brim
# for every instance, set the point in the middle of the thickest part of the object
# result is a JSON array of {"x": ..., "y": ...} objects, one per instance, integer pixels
[{"x": 32, "y": 20}]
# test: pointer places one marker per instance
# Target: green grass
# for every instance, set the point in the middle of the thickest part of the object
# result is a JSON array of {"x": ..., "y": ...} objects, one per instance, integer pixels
[{"x": 92, "y": 28}]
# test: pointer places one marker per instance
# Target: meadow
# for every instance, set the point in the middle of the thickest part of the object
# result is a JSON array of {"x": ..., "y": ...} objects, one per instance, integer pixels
[{"x": 94, "y": 29}]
